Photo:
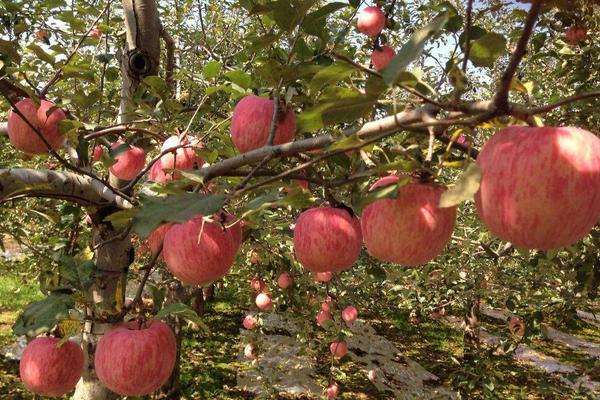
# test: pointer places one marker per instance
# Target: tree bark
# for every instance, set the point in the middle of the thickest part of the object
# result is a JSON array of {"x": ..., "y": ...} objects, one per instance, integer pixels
[{"x": 106, "y": 296}]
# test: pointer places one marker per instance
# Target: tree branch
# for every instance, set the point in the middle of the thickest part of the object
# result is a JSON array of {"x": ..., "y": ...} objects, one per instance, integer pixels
[
  {"x": 501, "y": 98},
  {"x": 58, "y": 184}
]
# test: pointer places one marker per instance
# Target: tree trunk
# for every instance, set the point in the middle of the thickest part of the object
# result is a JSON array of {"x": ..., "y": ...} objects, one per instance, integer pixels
[{"x": 105, "y": 297}]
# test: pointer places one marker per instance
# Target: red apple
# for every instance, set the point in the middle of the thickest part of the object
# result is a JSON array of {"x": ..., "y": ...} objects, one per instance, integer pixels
[
  {"x": 339, "y": 348},
  {"x": 371, "y": 21},
  {"x": 135, "y": 359},
  {"x": 51, "y": 370},
  {"x": 250, "y": 322},
  {"x": 183, "y": 159},
  {"x": 257, "y": 284},
  {"x": 97, "y": 153},
  {"x": 41, "y": 34},
  {"x": 251, "y": 124},
  {"x": 264, "y": 302},
  {"x": 249, "y": 351},
  {"x": 410, "y": 229},
  {"x": 332, "y": 391},
  {"x": 26, "y": 139},
  {"x": 198, "y": 252},
  {"x": 576, "y": 34},
  {"x": 540, "y": 187},
  {"x": 323, "y": 316},
  {"x": 156, "y": 238},
  {"x": 382, "y": 56},
  {"x": 327, "y": 239},
  {"x": 349, "y": 314},
  {"x": 285, "y": 280},
  {"x": 129, "y": 163},
  {"x": 95, "y": 33},
  {"x": 323, "y": 276}
]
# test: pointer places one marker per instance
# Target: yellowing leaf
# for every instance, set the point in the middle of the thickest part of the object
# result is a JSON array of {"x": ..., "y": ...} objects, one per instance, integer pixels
[{"x": 464, "y": 189}]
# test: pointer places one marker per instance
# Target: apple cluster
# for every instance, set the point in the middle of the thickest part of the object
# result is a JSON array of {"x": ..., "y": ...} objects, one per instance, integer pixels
[{"x": 371, "y": 22}]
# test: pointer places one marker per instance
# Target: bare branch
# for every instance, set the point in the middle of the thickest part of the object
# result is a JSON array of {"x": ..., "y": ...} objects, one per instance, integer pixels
[
  {"x": 468, "y": 35},
  {"x": 58, "y": 184},
  {"x": 501, "y": 98}
]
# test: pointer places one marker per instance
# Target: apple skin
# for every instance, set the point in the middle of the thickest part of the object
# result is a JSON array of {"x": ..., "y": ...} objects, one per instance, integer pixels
[
  {"x": 285, "y": 280},
  {"x": 349, "y": 314},
  {"x": 249, "y": 351},
  {"x": 327, "y": 239},
  {"x": 199, "y": 252},
  {"x": 48, "y": 370},
  {"x": 323, "y": 316},
  {"x": 24, "y": 138},
  {"x": 257, "y": 284},
  {"x": 95, "y": 33},
  {"x": 249, "y": 322},
  {"x": 339, "y": 348},
  {"x": 323, "y": 276},
  {"x": 576, "y": 34},
  {"x": 264, "y": 302},
  {"x": 135, "y": 361},
  {"x": 332, "y": 391},
  {"x": 371, "y": 21},
  {"x": 129, "y": 163},
  {"x": 156, "y": 238},
  {"x": 97, "y": 153},
  {"x": 540, "y": 187},
  {"x": 411, "y": 229},
  {"x": 380, "y": 58},
  {"x": 251, "y": 124}
]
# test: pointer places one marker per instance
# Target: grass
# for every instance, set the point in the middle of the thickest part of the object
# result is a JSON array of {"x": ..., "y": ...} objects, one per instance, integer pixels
[{"x": 210, "y": 359}]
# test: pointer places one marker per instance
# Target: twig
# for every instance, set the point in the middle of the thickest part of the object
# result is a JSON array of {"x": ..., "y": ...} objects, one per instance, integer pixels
[
  {"x": 148, "y": 270},
  {"x": 468, "y": 35},
  {"x": 501, "y": 98},
  {"x": 58, "y": 72}
]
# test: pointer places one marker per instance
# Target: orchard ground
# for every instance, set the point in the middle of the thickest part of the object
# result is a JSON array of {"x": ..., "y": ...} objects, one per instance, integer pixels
[{"x": 211, "y": 360}]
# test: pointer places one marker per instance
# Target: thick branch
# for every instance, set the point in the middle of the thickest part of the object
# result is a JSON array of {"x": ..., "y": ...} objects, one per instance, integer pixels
[{"x": 24, "y": 182}]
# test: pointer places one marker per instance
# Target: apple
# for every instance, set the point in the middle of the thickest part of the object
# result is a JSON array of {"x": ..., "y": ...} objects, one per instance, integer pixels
[
  {"x": 371, "y": 21},
  {"x": 285, "y": 280},
  {"x": 129, "y": 163},
  {"x": 576, "y": 34},
  {"x": 257, "y": 284},
  {"x": 251, "y": 124},
  {"x": 540, "y": 187},
  {"x": 327, "y": 239},
  {"x": 323, "y": 276},
  {"x": 48, "y": 369},
  {"x": 410, "y": 229},
  {"x": 249, "y": 351},
  {"x": 157, "y": 174},
  {"x": 264, "y": 302},
  {"x": 332, "y": 391},
  {"x": 26, "y": 139},
  {"x": 199, "y": 252},
  {"x": 135, "y": 359},
  {"x": 95, "y": 33},
  {"x": 41, "y": 34},
  {"x": 349, "y": 314},
  {"x": 250, "y": 322},
  {"x": 323, "y": 316},
  {"x": 382, "y": 56},
  {"x": 97, "y": 153},
  {"x": 254, "y": 257},
  {"x": 339, "y": 348},
  {"x": 326, "y": 307},
  {"x": 156, "y": 238}
]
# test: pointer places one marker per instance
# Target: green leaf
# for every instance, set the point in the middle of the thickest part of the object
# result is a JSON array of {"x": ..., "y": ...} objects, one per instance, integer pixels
[
  {"x": 345, "y": 143},
  {"x": 42, "y": 55},
  {"x": 486, "y": 50},
  {"x": 157, "y": 86},
  {"x": 464, "y": 189},
  {"x": 412, "y": 49},
  {"x": 42, "y": 316},
  {"x": 240, "y": 78},
  {"x": 212, "y": 69},
  {"x": 182, "y": 311},
  {"x": 315, "y": 22},
  {"x": 154, "y": 211},
  {"x": 11, "y": 49},
  {"x": 385, "y": 192},
  {"x": 330, "y": 75},
  {"x": 288, "y": 14}
]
